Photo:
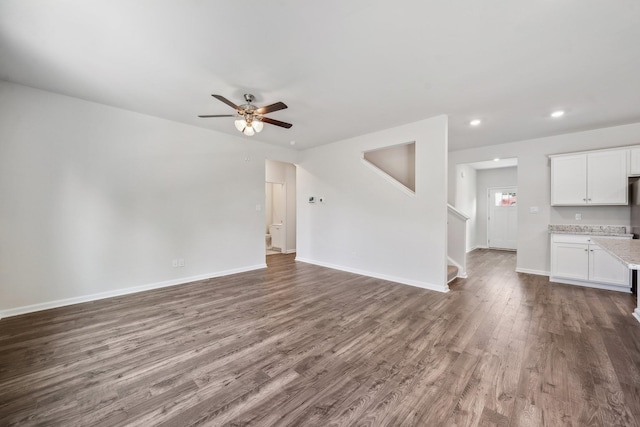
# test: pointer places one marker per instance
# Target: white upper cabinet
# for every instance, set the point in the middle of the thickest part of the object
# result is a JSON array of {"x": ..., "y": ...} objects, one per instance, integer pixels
[
  {"x": 635, "y": 161},
  {"x": 594, "y": 178},
  {"x": 569, "y": 180},
  {"x": 607, "y": 182}
]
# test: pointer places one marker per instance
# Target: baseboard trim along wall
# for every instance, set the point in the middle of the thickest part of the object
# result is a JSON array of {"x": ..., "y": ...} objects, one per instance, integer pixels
[
  {"x": 290, "y": 251},
  {"x": 416, "y": 283},
  {"x": 530, "y": 271},
  {"x": 125, "y": 291}
]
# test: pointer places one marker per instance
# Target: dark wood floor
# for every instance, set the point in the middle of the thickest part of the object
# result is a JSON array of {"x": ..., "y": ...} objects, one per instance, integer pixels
[{"x": 298, "y": 344}]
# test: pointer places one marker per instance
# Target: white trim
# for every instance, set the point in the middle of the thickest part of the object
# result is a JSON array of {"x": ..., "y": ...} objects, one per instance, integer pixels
[
  {"x": 531, "y": 271},
  {"x": 125, "y": 291},
  {"x": 636, "y": 314},
  {"x": 626, "y": 290},
  {"x": 388, "y": 177},
  {"x": 289, "y": 251},
  {"x": 457, "y": 212},
  {"x": 477, "y": 247},
  {"x": 419, "y": 284}
]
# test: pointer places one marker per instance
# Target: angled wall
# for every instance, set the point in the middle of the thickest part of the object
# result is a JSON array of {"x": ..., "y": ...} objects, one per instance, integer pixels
[{"x": 366, "y": 224}]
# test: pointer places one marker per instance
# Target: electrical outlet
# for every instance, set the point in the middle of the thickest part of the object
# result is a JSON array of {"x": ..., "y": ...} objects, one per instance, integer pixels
[
  {"x": 174, "y": 263},
  {"x": 578, "y": 217},
  {"x": 181, "y": 262}
]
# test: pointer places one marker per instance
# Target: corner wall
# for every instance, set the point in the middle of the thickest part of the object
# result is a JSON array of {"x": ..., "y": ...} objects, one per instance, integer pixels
[
  {"x": 98, "y": 201},
  {"x": 366, "y": 224},
  {"x": 466, "y": 193}
]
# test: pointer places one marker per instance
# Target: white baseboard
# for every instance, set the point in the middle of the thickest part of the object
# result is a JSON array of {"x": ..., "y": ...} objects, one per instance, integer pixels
[
  {"x": 416, "y": 283},
  {"x": 636, "y": 314},
  {"x": 125, "y": 291},
  {"x": 289, "y": 251},
  {"x": 530, "y": 271},
  {"x": 477, "y": 247},
  {"x": 625, "y": 289}
]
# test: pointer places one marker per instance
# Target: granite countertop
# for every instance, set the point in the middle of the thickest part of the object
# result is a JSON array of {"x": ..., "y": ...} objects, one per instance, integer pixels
[
  {"x": 626, "y": 250},
  {"x": 593, "y": 230}
]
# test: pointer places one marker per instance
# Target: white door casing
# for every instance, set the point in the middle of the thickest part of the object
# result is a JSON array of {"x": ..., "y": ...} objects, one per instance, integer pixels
[{"x": 502, "y": 218}]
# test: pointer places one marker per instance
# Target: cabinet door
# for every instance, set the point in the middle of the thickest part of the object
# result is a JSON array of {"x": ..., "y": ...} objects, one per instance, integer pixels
[
  {"x": 607, "y": 177},
  {"x": 605, "y": 268},
  {"x": 569, "y": 180},
  {"x": 570, "y": 261},
  {"x": 635, "y": 161}
]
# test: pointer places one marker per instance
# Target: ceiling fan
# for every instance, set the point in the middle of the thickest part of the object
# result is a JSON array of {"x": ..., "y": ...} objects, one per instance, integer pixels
[{"x": 251, "y": 118}]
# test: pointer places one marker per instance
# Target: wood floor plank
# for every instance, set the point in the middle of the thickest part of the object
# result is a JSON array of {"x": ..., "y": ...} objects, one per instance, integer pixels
[{"x": 298, "y": 344}]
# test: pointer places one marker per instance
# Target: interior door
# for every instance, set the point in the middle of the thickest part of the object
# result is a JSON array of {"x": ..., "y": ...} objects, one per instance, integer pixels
[{"x": 502, "y": 227}]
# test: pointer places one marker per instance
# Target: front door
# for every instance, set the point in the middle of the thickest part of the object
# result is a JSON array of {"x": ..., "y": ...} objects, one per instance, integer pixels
[{"x": 502, "y": 227}]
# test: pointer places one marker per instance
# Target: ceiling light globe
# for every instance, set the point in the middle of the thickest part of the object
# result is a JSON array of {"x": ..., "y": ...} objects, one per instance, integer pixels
[
  {"x": 249, "y": 131},
  {"x": 257, "y": 125},
  {"x": 240, "y": 124}
]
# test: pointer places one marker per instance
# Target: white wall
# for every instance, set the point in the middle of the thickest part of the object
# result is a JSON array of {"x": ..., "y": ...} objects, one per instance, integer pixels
[
  {"x": 97, "y": 201},
  {"x": 488, "y": 178},
  {"x": 534, "y": 186},
  {"x": 367, "y": 224},
  {"x": 466, "y": 199},
  {"x": 286, "y": 173}
]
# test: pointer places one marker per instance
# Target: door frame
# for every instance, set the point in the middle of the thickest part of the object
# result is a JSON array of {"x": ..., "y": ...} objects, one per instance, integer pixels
[
  {"x": 284, "y": 213},
  {"x": 490, "y": 205}
]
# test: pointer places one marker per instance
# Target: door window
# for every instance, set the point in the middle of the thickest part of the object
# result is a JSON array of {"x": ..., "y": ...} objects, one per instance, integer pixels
[{"x": 505, "y": 199}]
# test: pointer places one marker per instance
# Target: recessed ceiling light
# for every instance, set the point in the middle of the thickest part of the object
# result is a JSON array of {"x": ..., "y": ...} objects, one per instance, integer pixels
[
  {"x": 557, "y": 114},
  {"x": 496, "y": 159},
  {"x": 475, "y": 122}
]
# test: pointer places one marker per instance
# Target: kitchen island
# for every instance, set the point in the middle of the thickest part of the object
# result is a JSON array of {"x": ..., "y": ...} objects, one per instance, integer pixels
[{"x": 628, "y": 252}]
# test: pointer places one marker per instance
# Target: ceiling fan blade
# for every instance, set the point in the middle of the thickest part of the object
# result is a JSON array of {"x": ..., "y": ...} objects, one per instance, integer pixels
[
  {"x": 226, "y": 101},
  {"x": 276, "y": 122},
  {"x": 218, "y": 115},
  {"x": 271, "y": 108}
]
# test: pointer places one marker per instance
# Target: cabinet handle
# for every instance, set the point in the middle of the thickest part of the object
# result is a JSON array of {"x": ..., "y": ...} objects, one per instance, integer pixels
[
  {"x": 586, "y": 250},
  {"x": 589, "y": 199},
  {"x": 584, "y": 200}
]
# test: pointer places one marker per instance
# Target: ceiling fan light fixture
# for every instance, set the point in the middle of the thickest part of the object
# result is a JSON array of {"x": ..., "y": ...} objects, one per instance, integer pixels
[
  {"x": 240, "y": 124},
  {"x": 249, "y": 118}
]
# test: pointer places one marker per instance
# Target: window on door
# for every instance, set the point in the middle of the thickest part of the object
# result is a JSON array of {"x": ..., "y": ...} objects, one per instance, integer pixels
[{"x": 505, "y": 199}]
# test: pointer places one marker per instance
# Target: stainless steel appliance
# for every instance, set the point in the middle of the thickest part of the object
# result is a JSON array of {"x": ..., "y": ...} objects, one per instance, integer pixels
[{"x": 634, "y": 203}]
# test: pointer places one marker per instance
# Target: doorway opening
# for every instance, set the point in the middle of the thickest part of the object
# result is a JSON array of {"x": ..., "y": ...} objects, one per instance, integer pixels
[
  {"x": 280, "y": 207},
  {"x": 473, "y": 197}
]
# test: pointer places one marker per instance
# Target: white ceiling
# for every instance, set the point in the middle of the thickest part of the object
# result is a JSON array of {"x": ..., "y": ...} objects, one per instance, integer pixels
[{"x": 345, "y": 68}]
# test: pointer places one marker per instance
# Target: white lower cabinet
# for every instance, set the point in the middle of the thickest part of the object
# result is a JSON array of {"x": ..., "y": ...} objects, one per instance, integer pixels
[{"x": 576, "y": 260}]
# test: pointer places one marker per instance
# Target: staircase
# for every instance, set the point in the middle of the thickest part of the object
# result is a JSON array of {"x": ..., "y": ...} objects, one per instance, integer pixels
[
  {"x": 452, "y": 272},
  {"x": 456, "y": 243}
]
